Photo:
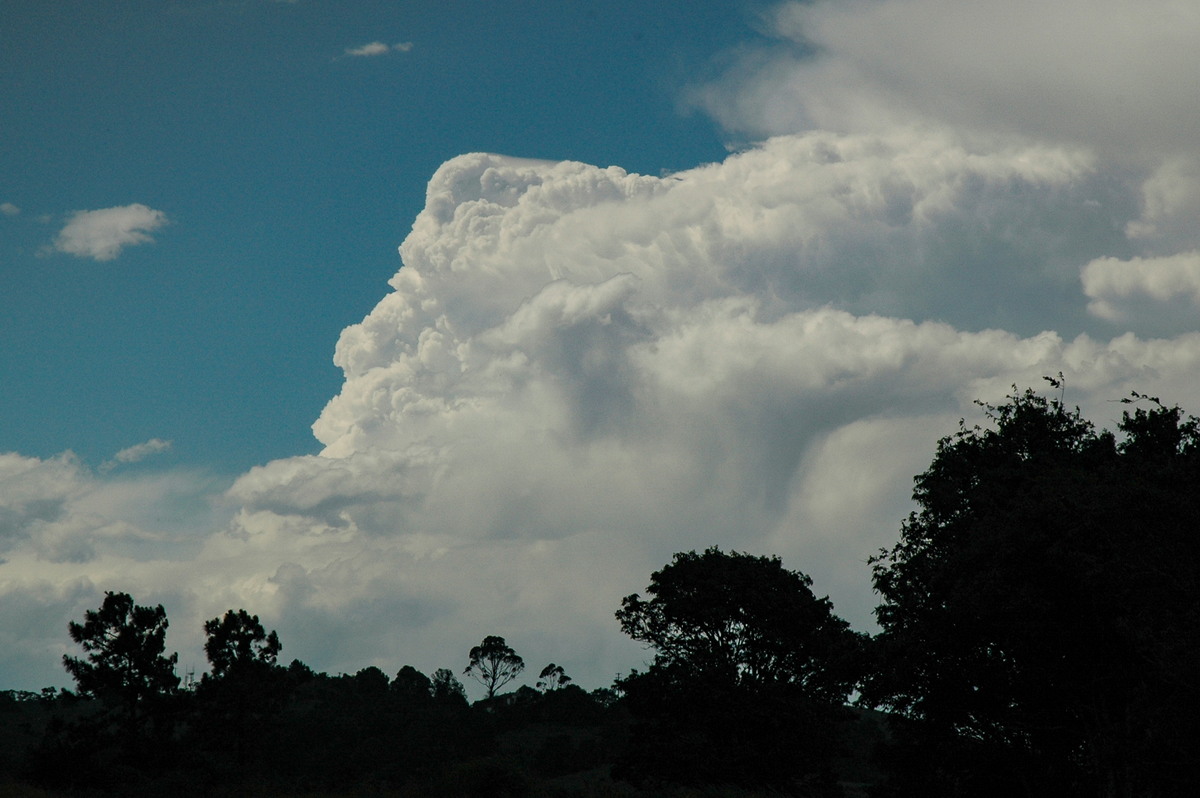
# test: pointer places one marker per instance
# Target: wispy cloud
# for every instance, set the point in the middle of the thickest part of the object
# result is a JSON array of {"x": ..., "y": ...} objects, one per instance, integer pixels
[
  {"x": 8, "y": 209},
  {"x": 102, "y": 234},
  {"x": 137, "y": 453},
  {"x": 378, "y": 48}
]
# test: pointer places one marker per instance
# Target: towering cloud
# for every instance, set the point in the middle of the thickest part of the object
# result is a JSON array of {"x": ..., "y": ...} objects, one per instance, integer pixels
[{"x": 579, "y": 371}]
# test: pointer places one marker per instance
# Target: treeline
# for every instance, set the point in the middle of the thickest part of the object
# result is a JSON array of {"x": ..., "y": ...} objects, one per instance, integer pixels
[{"x": 1037, "y": 638}]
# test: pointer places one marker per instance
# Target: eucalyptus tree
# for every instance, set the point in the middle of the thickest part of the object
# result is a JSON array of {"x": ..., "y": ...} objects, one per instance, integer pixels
[{"x": 493, "y": 663}]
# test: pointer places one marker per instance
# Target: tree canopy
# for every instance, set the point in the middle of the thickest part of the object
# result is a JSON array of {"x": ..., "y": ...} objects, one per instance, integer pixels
[
  {"x": 494, "y": 664},
  {"x": 238, "y": 641},
  {"x": 1040, "y": 599},
  {"x": 748, "y": 678},
  {"x": 123, "y": 644},
  {"x": 742, "y": 618},
  {"x": 552, "y": 677}
]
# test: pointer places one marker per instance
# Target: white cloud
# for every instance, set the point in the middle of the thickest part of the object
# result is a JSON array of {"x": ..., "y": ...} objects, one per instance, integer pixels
[
  {"x": 1101, "y": 72},
  {"x": 67, "y": 534},
  {"x": 142, "y": 450},
  {"x": 138, "y": 452},
  {"x": 8, "y": 209},
  {"x": 378, "y": 48},
  {"x": 1122, "y": 289},
  {"x": 372, "y": 48},
  {"x": 579, "y": 371},
  {"x": 102, "y": 234}
]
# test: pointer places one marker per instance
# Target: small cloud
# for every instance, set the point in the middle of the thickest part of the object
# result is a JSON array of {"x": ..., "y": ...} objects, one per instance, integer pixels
[
  {"x": 378, "y": 48},
  {"x": 374, "y": 48},
  {"x": 102, "y": 234},
  {"x": 8, "y": 209},
  {"x": 136, "y": 453}
]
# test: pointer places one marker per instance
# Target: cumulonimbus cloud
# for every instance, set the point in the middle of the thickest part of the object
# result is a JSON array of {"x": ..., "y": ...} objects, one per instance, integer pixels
[
  {"x": 579, "y": 371},
  {"x": 102, "y": 234}
]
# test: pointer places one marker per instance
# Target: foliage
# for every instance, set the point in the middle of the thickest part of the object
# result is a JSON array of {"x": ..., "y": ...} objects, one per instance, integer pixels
[
  {"x": 494, "y": 664},
  {"x": 552, "y": 677},
  {"x": 238, "y": 641},
  {"x": 411, "y": 685},
  {"x": 742, "y": 619},
  {"x": 238, "y": 703},
  {"x": 123, "y": 665},
  {"x": 1036, "y": 612},
  {"x": 446, "y": 688},
  {"x": 126, "y": 718},
  {"x": 748, "y": 677}
]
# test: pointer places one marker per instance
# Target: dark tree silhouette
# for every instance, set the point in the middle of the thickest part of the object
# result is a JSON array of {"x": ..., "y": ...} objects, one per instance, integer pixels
[
  {"x": 446, "y": 688},
  {"x": 552, "y": 677},
  {"x": 1037, "y": 612},
  {"x": 494, "y": 664},
  {"x": 748, "y": 678},
  {"x": 410, "y": 685},
  {"x": 123, "y": 666},
  {"x": 237, "y": 640},
  {"x": 743, "y": 619},
  {"x": 370, "y": 681},
  {"x": 245, "y": 692}
]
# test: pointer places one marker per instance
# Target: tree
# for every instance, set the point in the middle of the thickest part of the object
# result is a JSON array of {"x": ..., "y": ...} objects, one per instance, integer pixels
[
  {"x": 748, "y": 679},
  {"x": 370, "y": 682},
  {"x": 411, "y": 685},
  {"x": 238, "y": 641},
  {"x": 246, "y": 690},
  {"x": 741, "y": 619},
  {"x": 123, "y": 664},
  {"x": 446, "y": 688},
  {"x": 494, "y": 664},
  {"x": 552, "y": 677},
  {"x": 1036, "y": 612}
]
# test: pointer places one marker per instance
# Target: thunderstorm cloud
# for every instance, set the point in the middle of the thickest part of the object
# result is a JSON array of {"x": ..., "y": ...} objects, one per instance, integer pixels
[{"x": 578, "y": 371}]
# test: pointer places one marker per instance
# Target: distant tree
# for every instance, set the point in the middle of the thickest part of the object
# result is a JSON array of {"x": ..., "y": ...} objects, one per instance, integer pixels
[
  {"x": 552, "y": 677},
  {"x": 237, "y": 641},
  {"x": 494, "y": 664},
  {"x": 411, "y": 685},
  {"x": 123, "y": 663},
  {"x": 446, "y": 688},
  {"x": 1037, "y": 613},
  {"x": 370, "y": 681}
]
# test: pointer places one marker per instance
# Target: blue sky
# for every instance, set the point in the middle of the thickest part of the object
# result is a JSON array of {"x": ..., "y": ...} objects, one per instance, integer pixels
[
  {"x": 288, "y": 173},
  {"x": 670, "y": 275}
]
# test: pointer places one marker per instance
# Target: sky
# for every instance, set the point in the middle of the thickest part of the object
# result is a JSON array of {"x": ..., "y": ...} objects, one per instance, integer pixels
[{"x": 401, "y": 324}]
